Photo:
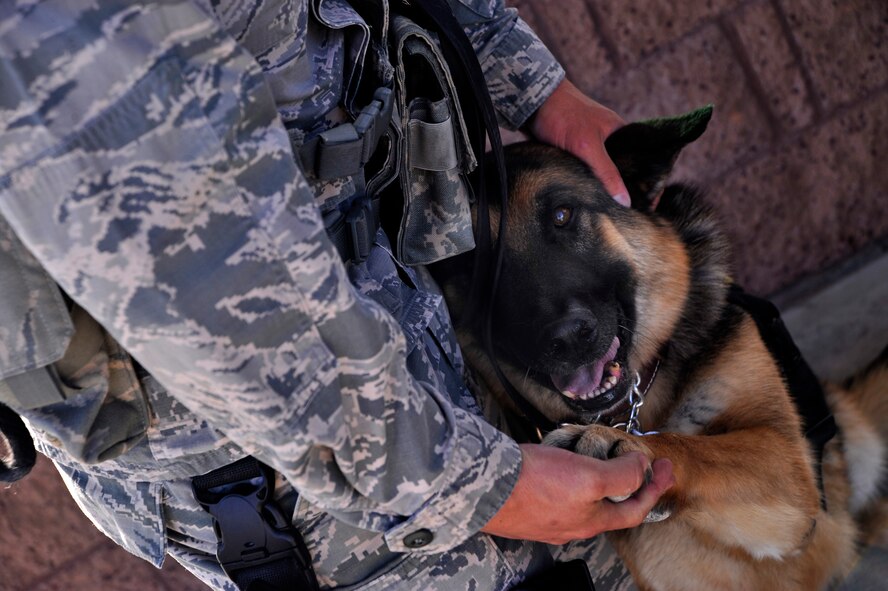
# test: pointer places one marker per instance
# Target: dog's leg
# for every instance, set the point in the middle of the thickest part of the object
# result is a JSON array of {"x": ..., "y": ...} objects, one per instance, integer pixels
[{"x": 752, "y": 489}]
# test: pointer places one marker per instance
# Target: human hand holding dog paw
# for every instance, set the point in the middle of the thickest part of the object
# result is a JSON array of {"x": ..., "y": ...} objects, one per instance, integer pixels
[
  {"x": 562, "y": 496},
  {"x": 603, "y": 443},
  {"x": 574, "y": 122}
]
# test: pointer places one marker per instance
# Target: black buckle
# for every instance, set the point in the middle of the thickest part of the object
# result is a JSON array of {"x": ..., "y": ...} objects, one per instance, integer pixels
[
  {"x": 353, "y": 232},
  {"x": 346, "y": 148},
  {"x": 572, "y": 575},
  {"x": 256, "y": 541},
  {"x": 338, "y": 152}
]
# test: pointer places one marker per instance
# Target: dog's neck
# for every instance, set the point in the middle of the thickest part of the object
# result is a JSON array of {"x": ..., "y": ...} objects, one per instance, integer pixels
[
  {"x": 706, "y": 311},
  {"x": 709, "y": 252}
]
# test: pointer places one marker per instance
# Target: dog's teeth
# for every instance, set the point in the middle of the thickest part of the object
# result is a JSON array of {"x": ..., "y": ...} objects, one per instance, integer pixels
[
  {"x": 614, "y": 369},
  {"x": 611, "y": 381},
  {"x": 570, "y": 395}
]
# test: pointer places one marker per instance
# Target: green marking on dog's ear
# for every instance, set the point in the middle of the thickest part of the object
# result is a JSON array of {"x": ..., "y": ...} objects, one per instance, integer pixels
[
  {"x": 645, "y": 151},
  {"x": 685, "y": 128}
]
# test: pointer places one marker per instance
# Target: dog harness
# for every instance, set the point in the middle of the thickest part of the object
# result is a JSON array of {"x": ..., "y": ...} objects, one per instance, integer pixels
[{"x": 807, "y": 394}]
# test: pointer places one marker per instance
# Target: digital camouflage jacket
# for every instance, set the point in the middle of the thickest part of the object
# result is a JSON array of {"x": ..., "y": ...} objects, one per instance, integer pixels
[{"x": 147, "y": 168}]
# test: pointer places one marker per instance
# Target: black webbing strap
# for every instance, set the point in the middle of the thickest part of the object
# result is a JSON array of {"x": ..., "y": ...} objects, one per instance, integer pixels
[
  {"x": 258, "y": 549},
  {"x": 481, "y": 122},
  {"x": 818, "y": 423}
]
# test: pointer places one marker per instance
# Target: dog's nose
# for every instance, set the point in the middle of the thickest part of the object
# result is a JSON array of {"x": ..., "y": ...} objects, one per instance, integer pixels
[{"x": 571, "y": 335}]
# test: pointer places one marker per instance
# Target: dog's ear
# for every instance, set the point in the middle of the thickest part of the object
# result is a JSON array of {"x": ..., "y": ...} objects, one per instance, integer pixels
[{"x": 645, "y": 151}]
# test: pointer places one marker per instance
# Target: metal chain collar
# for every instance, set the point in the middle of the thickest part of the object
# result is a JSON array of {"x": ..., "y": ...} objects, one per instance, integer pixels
[{"x": 636, "y": 401}]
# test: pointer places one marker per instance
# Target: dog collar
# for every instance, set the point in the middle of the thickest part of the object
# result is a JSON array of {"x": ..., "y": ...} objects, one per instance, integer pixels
[{"x": 636, "y": 401}]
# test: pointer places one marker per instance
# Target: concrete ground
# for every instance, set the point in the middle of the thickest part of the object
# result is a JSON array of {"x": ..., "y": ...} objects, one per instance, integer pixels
[
  {"x": 839, "y": 319},
  {"x": 794, "y": 163}
]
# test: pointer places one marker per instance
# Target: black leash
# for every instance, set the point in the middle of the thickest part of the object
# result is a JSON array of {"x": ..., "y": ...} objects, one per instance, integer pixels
[{"x": 482, "y": 123}]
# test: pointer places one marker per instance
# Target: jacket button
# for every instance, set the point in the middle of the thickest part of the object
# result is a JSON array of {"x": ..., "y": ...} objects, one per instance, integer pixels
[{"x": 418, "y": 539}]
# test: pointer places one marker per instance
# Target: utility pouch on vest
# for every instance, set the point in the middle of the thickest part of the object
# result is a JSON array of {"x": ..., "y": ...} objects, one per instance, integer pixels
[
  {"x": 90, "y": 401},
  {"x": 436, "y": 154},
  {"x": 34, "y": 332}
]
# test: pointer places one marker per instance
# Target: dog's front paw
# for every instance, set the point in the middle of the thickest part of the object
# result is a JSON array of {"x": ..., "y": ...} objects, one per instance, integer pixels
[{"x": 599, "y": 442}]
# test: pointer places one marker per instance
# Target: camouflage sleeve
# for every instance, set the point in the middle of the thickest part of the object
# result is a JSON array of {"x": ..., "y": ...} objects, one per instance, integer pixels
[
  {"x": 520, "y": 70},
  {"x": 178, "y": 218}
]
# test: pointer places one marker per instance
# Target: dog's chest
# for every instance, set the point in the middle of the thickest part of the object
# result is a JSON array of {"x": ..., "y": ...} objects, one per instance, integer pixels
[{"x": 698, "y": 406}]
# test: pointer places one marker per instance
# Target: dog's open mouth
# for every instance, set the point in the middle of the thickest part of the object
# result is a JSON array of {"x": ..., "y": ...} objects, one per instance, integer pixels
[{"x": 598, "y": 386}]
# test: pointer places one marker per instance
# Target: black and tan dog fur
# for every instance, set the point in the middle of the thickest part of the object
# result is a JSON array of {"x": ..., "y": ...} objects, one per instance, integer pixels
[{"x": 591, "y": 290}]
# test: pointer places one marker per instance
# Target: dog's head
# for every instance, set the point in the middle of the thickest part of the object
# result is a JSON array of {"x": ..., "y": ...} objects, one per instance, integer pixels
[{"x": 589, "y": 290}]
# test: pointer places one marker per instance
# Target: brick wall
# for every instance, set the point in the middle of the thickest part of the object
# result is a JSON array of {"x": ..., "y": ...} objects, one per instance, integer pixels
[{"x": 796, "y": 160}]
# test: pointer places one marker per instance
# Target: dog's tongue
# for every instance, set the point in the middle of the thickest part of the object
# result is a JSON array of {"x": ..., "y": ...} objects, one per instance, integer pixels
[{"x": 588, "y": 377}]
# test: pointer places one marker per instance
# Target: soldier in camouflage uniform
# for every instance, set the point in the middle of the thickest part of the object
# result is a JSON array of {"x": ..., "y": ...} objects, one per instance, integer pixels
[{"x": 148, "y": 168}]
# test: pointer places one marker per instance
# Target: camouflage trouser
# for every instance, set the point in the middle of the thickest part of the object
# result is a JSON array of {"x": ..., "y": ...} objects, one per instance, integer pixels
[{"x": 608, "y": 572}]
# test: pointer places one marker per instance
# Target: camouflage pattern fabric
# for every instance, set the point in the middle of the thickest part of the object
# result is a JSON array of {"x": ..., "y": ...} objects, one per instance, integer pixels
[
  {"x": 436, "y": 222},
  {"x": 608, "y": 571},
  {"x": 28, "y": 338},
  {"x": 146, "y": 162}
]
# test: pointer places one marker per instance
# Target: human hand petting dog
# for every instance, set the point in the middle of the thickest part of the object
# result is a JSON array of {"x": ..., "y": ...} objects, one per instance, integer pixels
[
  {"x": 572, "y": 121},
  {"x": 561, "y": 496}
]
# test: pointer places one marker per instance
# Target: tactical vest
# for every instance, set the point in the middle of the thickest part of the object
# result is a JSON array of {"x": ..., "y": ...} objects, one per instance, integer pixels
[{"x": 52, "y": 351}]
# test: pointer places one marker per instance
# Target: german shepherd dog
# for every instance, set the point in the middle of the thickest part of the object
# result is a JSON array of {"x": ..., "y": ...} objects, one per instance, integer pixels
[{"x": 597, "y": 301}]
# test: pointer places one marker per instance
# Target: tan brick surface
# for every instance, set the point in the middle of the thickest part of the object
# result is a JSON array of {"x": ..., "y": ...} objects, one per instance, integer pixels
[
  {"x": 812, "y": 204},
  {"x": 770, "y": 56},
  {"x": 639, "y": 27},
  {"x": 696, "y": 71},
  {"x": 40, "y": 527},
  {"x": 843, "y": 44}
]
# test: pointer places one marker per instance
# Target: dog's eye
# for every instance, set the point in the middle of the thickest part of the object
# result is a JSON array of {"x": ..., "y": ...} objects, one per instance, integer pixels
[{"x": 562, "y": 216}]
